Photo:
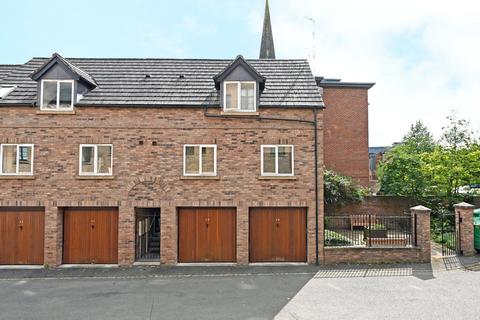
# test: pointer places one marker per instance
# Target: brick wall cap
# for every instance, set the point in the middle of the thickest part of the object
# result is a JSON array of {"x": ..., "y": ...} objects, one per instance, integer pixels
[
  {"x": 464, "y": 205},
  {"x": 420, "y": 209}
]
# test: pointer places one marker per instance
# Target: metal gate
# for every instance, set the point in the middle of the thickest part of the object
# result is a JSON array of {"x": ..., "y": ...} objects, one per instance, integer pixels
[
  {"x": 147, "y": 235},
  {"x": 445, "y": 232}
]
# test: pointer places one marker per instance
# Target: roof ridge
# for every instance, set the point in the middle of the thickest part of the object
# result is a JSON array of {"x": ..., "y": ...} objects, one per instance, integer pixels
[{"x": 178, "y": 59}]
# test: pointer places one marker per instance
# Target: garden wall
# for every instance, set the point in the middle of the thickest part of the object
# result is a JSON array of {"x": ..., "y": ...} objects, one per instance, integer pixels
[
  {"x": 371, "y": 255},
  {"x": 377, "y": 205}
]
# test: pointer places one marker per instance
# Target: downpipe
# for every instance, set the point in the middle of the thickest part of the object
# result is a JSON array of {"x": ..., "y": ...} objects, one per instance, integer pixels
[{"x": 314, "y": 124}]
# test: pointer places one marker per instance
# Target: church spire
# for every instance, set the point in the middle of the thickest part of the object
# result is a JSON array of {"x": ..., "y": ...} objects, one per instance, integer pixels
[{"x": 267, "y": 49}]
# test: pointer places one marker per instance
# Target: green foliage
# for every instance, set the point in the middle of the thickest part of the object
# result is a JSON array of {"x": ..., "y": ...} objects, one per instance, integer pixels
[
  {"x": 339, "y": 189},
  {"x": 457, "y": 134},
  {"x": 418, "y": 139},
  {"x": 401, "y": 174},
  {"x": 333, "y": 239},
  {"x": 432, "y": 173},
  {"x": 377, "y": 226}
]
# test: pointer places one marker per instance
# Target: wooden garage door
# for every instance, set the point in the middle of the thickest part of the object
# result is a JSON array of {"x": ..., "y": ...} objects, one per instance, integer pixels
[
  {"x": 21, "y": 236},
  {"x": 90, "y": 235},
  {"x": 278, "y": 234},
  {"x": 206, "y": 235}
]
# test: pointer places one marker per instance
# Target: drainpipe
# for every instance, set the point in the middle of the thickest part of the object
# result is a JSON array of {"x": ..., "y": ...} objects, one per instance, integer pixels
[{"x": 315, "y": 135}]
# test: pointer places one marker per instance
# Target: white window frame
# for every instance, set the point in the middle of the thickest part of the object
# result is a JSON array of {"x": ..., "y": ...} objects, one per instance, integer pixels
[
  {"x": 239, "y": 97},
  {"x": 17, "y": 173},
  {"x": 95, "y": 160},
  {"x": 200, "y": 165},
  {"x": 276, "y": 146},
  {"x": 58, "y": 95}
]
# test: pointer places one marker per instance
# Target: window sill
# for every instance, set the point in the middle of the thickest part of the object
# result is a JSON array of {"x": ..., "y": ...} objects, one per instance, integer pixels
[
  {"x": 277, "y": 178},
  {"x": 17, "y": 177},
  {"x": 47, "y": 112},
  {"x": 199, "y": 178},
  {"x": 239, "y": 113},
  {"x": 94, "y": 177}
]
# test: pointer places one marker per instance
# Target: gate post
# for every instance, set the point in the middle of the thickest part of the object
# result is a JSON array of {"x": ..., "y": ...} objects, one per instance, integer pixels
[
  {"x": 464, "y": 228},
  {"x": 423, "y": 232}
]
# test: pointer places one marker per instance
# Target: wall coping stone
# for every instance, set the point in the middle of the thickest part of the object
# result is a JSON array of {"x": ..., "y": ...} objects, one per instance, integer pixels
[
  {"x": 421, "y": 209},
  {"x": 464, "y": 205}
]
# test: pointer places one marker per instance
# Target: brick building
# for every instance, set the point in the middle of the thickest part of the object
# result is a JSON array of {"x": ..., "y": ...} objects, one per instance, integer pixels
[
  {"x": 124, "y": 160},
  {"x": 117, "y": 161},
  {"x": 346, "y": 127}
]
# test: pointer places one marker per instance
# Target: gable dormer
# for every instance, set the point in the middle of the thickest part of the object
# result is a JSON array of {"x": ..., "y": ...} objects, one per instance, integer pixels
[
  {"x": 60, "y": 84},
  {"x": 240, "y": 86}
]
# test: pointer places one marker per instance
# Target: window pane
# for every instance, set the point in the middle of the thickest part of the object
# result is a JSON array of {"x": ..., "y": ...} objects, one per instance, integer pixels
[
  {"x": 192, "y": 159},
  {"x": 87, "y": 159},
  {"x": 231, "y": 96},
  {"x": 65, "y": 95},
  {"x": 25, "y": 159},
  {"x": 208, "y": 160},
  {"x": 268, "y": 160},
  {"x": 104, "y": 164},
  {"x": 9, "y": 159},
  {"x": 49, "y": 95},
  {"x": 248, "y": 96},
  {"x": 285, "y": 160}
]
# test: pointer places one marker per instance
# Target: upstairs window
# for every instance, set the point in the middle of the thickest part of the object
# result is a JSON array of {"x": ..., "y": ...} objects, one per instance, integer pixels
[
  {"x": 57, "y": 95},
  {"x": 96, "y": 159},
  {"x": 277, "y": 160},
  {"x": 240, "y": 96},
  {"x": 200, "y": 160},
  {"x": 16, "y": 159}
]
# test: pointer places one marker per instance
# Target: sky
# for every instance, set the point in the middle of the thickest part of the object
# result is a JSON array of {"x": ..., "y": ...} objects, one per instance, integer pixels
[{"x": 423, "y": 55}]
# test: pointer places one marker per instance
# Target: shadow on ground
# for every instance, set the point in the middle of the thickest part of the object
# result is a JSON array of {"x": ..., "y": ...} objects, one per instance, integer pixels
[{"x": 421, "y": 271}]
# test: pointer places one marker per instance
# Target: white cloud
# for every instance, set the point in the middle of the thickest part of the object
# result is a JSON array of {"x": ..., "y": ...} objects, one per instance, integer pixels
[{"x": 423, "y": 55}]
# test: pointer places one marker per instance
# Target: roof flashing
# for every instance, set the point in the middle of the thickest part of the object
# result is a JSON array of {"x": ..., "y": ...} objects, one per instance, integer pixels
[{"x": 336, "y": 82}]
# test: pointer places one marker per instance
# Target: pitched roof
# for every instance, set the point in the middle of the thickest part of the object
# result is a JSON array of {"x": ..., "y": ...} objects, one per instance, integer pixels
[
  {"x": 5, "y": 69},
  {"x": 172, "y": 82},
  {"x": 56, "y": 58},
  {"x": 239, "y": 61}
]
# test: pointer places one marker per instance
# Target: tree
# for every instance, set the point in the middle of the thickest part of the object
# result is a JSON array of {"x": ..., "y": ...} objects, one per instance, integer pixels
[
  {"x": 457, "y": 134},
  {"x": 419, "y": 139},
  {"x": 455, "y": 162},
  {"x": 400, "y": 172},
  {"x": 432, "y": 173}
]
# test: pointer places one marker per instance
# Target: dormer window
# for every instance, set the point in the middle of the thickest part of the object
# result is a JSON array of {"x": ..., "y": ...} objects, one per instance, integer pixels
[
  {"x": 240, "y": 96},
  {"x": 57, "y": 95}
]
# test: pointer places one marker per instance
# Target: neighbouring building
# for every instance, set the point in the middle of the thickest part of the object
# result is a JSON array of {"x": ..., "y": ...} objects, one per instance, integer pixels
[{"x": 346, "y": 127}]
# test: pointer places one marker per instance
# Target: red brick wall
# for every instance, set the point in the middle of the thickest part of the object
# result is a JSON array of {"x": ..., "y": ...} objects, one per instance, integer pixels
[
  {"x": 377, "y": 205},
  {"x": 372, "y": 255},
  {"x": 150, "y": 175},
  {"x": 346, "y": 132}
]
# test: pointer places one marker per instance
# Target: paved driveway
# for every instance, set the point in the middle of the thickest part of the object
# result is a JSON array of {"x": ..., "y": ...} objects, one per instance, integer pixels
[
  {"x": 199, "y": 293},
  {"x": 330, "y": 292},
  {"x": 389, "y": 292}
]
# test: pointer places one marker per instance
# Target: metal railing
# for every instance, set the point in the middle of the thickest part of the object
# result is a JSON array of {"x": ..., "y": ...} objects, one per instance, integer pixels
[{"x": 370, "y": 231}]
